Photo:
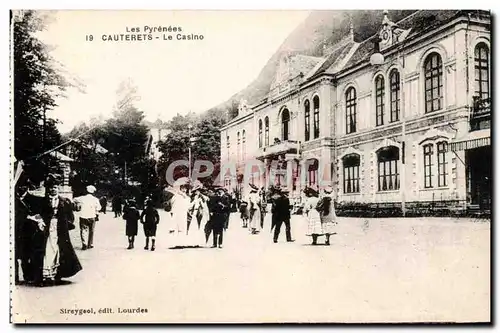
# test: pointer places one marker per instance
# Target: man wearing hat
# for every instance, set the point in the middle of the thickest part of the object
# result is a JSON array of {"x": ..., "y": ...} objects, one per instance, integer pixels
[
  {"x": 218, "y": 208},
  {"x": 281, "y": 214},
  {"x": 89, "y": 209}
]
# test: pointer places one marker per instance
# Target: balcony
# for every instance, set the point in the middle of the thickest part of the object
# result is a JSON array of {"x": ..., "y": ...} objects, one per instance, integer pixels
[
  {"x": 480, "y": 117},
  {"x": 279, "y": 148}
]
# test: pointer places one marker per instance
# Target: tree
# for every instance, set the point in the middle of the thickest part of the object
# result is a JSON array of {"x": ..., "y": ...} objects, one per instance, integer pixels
[
  {"x": 37, "y": 84},
  {"x": 127, "y": 136},
  {"x": 206, "y": 147}
]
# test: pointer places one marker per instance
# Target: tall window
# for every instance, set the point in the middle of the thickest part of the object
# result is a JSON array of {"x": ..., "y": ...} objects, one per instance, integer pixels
[
  {"x": 285, "y": 125},
  {"x": 395, "y": 95},
  {"x": 238, "y": 147},
  {"x": 379, "y": 99},
  {"x": 433, "y": 69},
  {"x": 442, "y": 147},
  {"x": 482, "y": 71},
  {"x": 428, "y": 151},
  {"x": 316, "y": 116},
  {"x": 228, "y": 146},
  {"x": 260, "y": 133},
  {"x": 266, "y": 132},
  {"x": 307, "y": 120},
  {"x": 351, "y": 173},
  {"x": 350, "y": 108},
  {"x": 312, "y": 172},
  {"x": 244, "y": 141},
  {"x": 388, "y": 174}
]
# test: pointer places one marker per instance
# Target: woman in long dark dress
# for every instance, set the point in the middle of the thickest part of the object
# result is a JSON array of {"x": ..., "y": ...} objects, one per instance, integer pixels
[
  {"x": 53, "y": 256},
  {"x": 131, "y": 216},
  {"x": 150, "y": 220}
]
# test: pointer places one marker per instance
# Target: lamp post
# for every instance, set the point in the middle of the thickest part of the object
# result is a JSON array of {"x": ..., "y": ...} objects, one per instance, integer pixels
[
  {"x": 378, "y": 59},
  {"x": 189, "y": 150}
]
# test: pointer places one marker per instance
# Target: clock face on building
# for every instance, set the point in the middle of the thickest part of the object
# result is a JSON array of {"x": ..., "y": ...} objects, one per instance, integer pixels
[{"x": 385, "y": 36}]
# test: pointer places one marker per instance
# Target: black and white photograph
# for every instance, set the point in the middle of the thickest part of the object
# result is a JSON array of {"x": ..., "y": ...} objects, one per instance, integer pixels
[{"x": 251, "y": 166}]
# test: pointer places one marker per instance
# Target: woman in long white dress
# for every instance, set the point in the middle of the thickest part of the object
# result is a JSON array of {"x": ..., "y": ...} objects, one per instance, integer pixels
[
  {"x": 198, "y": 212},
  {"x": 255, "y": 210},
  {"x": 180, "y": 207},
  {"x": 314, "y": 226}
]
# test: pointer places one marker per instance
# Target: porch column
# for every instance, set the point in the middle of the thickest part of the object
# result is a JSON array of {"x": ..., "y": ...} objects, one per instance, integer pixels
[
  {"x": 266, "y": 173},
  {"x": 290, "y": 161}
]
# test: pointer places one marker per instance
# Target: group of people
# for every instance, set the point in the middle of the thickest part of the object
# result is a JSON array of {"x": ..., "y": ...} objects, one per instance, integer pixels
[
  {"x": 43, "y": 249},
  {"x": 197, "y": 215},
  {"x": 319, "y": 213},
  {"x": 149, "y": 218}
]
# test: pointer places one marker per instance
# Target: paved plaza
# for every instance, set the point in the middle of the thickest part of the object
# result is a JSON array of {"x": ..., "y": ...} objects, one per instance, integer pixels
[{"x": 376, "y": 270}]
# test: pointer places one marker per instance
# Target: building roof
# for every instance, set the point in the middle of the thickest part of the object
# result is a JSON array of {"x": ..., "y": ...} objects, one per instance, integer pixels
[
  {"x": 334, "y": 58},
  {"x": 303, "y": 64},
  {"x": 419, "y": 22}
]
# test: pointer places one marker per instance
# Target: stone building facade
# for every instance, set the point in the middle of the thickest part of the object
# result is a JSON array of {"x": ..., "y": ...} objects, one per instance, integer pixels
[{"x": 402, "y": 118}]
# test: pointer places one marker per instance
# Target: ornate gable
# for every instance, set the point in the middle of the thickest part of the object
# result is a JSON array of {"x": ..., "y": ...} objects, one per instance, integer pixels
[{"x": 390, "y": 34}]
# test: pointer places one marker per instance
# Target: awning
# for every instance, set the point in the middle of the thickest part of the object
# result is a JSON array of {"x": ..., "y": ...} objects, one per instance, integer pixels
[
  {"x": 61, "y": 157},
  {"x": 472, "y": 140}
]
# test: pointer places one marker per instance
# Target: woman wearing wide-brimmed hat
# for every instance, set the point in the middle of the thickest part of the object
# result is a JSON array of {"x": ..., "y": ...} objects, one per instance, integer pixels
[
  {"x": 326, "y": 209},
  {"x": 314, "y": 226},
  {"x": 53, "y": 256},
  {"x": 255, "y": 209}
]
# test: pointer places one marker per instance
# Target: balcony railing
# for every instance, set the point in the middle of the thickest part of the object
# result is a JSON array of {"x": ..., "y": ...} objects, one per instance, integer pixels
[
  {"x": 480, "y": 117},
  {"x": 281, "y": 147}
]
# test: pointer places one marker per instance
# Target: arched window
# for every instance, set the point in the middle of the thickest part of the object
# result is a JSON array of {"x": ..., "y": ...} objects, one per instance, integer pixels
[
  {"x": 388, "y": 173},
  {"x": 351, "y": 173},
  {"x": 266, "y": 131},
  {"x": 260, "y": 133},
  {"x": 307, "y": 120},
  {"x": 395, "y": 94},
  {"x": 482, "y": 71},
  {"x": 285, "y": 125},
  {"x": 350, "y": 110},
  {"x": 379, "y": 99},
  {"x": 228, "y": 146},
  {"x": 316, "y": 116},
  {"x": 244, "y": 141},
  {"x": 238, "y": 147},
  {"x": 433, "y": 69}
]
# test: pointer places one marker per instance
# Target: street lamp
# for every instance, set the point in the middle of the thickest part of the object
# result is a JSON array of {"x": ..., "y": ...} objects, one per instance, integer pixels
[{"x": 377, "y": 59}]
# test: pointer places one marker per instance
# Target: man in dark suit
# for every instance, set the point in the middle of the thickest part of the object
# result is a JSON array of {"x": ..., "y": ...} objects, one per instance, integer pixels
[
  {"x": 281, "y": 214},
  {"x": 218, "y": 208},
  {"x": 226, "y": 200},
  {"x": 23, "y": 230}
]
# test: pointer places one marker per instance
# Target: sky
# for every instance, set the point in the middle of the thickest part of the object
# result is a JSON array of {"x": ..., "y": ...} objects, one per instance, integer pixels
[{"x": 172, "y": 76}]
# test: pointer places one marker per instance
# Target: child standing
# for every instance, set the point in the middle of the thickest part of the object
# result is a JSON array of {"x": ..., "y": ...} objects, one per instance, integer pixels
[
  {"x": 131, "y": 216},
  {"x": 150, "y": 220}
]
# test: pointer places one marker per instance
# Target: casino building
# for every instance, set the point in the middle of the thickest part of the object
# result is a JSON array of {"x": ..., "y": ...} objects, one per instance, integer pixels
[{"x": 401, "y": 119}]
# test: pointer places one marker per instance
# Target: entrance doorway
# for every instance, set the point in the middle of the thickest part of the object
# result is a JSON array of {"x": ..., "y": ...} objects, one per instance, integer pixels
[{"x": 479, "y": 177}]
